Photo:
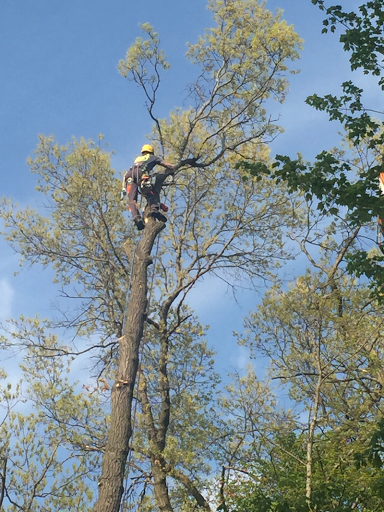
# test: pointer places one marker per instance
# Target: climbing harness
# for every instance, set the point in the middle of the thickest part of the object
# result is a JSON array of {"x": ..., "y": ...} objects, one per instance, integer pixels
[{"x": 145, "y": 184}]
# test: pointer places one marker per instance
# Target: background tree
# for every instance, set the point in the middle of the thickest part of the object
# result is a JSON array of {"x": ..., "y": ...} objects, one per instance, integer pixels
[
  {"x": 333, "y": 179},
  {"x": 322, "y": 340},
  {"x": 344, "y": 185}
]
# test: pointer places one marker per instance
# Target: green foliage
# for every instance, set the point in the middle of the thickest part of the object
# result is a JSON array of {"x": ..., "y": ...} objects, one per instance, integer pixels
[
  {"x": 243, "y": 60},
  {"x": 362, "y": 36},
  {"x": 372, "y": 457},
  {"x": 344, "y": 183},
  {"x": 323, "y": 340},
  {"x": 340, "y": 180},
  {"x": 276, "y": 483},
  {"x": 370, "y": 266},
  {"x": 143, "y": 55},
  {"x": 344, "y": 108},
  {"x": 50, "y": 432},
  {"x": 322, "y": 336},
  {"x": 81, "y": 235},
  {"x": 373, "y": 454}
]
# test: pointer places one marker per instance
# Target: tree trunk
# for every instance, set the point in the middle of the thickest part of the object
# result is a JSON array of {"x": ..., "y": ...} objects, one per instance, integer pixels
[
  {"x": 161, "y": 487},
  {"x": 311, "y": 437},
  {"x": 157, "y": 460},
  {"x": 117, "y": 448},
  {"x": 159, "y": 476}
]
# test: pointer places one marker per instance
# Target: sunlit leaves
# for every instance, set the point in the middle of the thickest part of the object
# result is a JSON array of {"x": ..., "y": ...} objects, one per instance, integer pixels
[
  {"x": 79, "y": 232},
  {"x": 144, "y": 56},
  {"x": 243, "y": 59},
  {"x": 49, "y": 432},
  {"x": 322, "y": 337}
]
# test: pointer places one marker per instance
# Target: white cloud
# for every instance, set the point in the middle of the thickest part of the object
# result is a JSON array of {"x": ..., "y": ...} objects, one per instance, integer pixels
[{"x": 6, "y": 297}]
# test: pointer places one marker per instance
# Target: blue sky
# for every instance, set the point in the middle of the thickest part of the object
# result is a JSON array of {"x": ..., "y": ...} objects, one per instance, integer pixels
[{"x": 59, "y": 76}]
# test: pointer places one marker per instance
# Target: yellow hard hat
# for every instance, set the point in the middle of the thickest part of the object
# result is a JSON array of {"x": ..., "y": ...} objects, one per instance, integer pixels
[{"x": 147, "y": 148}]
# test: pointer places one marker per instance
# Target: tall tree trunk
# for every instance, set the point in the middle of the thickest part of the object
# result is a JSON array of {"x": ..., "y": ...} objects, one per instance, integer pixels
[
  {"x": 311, "y": 437},
  {"x": 156, "y": 448},
  {"x": 3, "y": 475},
  {"x": 116, "y": 451}
]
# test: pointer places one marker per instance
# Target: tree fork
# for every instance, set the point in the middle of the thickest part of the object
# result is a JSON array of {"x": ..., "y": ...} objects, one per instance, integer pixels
[{"x": 120, "y": 432}]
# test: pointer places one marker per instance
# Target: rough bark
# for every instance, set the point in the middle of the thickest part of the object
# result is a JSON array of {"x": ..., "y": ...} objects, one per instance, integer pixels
[
  {"x": 117, "y": 448},
  {"x": 2, "y": 481},
  {"x": 311, "y": 436},
  {"x": 161, "y": 487},
  {"x": 164, "y": 388},
  {"x": 156, "y": 448}
]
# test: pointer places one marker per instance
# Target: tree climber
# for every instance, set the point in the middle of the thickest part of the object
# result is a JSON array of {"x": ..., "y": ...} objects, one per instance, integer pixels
[
  {"x": 138, "y": 179},
  {"x": 380, "y": 222}
]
